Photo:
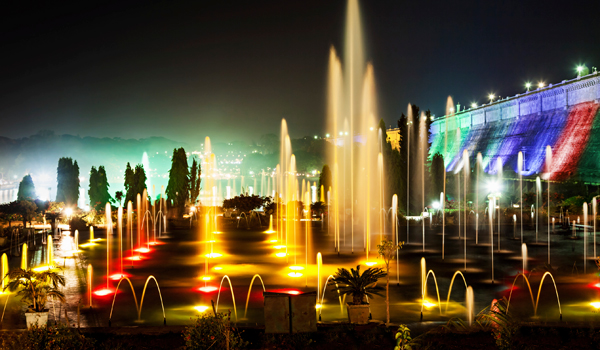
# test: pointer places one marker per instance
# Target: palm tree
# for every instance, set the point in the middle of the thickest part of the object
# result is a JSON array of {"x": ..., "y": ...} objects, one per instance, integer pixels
[
  {"x": 37, "y": 286},
  {"x": 356, "y": 284}
]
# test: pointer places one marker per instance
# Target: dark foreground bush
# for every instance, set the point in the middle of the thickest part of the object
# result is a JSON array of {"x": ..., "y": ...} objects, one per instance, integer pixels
[
  {"x": 58, "y": 337},
  {"x": 212, "y": 332}
]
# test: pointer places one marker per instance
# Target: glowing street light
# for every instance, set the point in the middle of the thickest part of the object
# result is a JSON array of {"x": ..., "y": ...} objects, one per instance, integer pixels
[
  {"x": 528, "y": 86},
  {"x": 473, "y": 105},
  {"x": 541, "y": 84},
  {"x": 579, "y": 70},
  {"x": 327, "y": 135},
  {"x": 491, "y": 97}
]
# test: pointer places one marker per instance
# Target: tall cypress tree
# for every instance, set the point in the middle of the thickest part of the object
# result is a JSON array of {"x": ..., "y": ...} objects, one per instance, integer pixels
[
  {"x": 129, "y": 185},
  {"x": 74, "y": 183},
  {"x": 26, "y": 189},
  {"x": 139, "y": 180},
  {"x": 178, "y": 186},
  {"x": 324, "y": 181},
  {"x": 103, "y": 194},
  {"x": 93, "y": 191},
  {"x": 67, "y": 176},
  {"x": 195, "y": 180}
]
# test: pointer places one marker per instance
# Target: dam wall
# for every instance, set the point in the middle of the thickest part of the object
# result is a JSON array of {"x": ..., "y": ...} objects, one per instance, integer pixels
[{"x": 564, "y": 116}]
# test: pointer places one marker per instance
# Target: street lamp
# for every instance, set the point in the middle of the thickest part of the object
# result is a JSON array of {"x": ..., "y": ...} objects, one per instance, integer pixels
[
  {"x": 528, "y": 86},
  {"x": 491, "y": 97}
]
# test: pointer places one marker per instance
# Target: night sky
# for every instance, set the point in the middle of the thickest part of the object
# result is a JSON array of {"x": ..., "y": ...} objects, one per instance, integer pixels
[{"x": 232, "y": 69}]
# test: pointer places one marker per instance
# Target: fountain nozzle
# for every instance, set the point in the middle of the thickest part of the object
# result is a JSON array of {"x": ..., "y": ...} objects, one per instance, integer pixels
[
  {"x": 421, "y": 316},
  {"x": 109, "y": 323}
]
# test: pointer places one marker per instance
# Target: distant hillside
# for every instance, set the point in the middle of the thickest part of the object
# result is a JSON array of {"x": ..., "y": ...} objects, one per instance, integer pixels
[{"x": 39, "y": 154}]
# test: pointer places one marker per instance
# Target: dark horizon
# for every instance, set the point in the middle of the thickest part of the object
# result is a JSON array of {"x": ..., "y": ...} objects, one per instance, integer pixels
[{"x": 232, "y": 70}]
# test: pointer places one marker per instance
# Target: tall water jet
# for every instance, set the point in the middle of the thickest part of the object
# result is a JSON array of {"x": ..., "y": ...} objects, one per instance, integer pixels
[
  {"x": 520, "y": 170},
  {"x": 107, "y": 210},
  {"x": 548, "y": 170},
  {"x": 443, "y": 206},
  {"x": 423, "y": 277},
  {"x": 449, "y": 112},
  {"x": 381, "y": 195},
  {"x": 49, "y": 251},
  {"x": 139, "y": 222},
  {"x": 585, "y": 224},
  {"x": 130, "y": 227},
  {"x": 470, "y": 303},
  {"x": 478, "y": 161},
  {"x": 395, "y": 232},
  {"x": 467, "y": 171},
  {"x": 270, "y": 230},
  {"x": 457, "y": 173},
  {"x": 499, "y": 169},
  {"x": 120, "y": 235},
  {"x": 353, "y": 73},
  {"x": 4, "y": 269},
  {"x": 524, "y": 254},
  {"x": 422, "y": 149},
  {"x": 538, "y": 191},
  {"x": 23, "y": 256},
  {"x": 408, "y": 124},
  {"x": 90, "y": 273},
  {"x": 492, "y": 209},
  {"x": 594, "y": 213}
]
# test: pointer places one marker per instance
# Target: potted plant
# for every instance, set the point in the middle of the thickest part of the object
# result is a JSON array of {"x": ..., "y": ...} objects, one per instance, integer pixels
[
  {"x": 36, "y": 288},
  {"x": 359, "y": 286}
]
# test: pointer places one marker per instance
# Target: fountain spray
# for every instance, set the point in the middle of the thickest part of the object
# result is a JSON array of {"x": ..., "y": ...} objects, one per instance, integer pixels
[
  {"x": 520, "y": 170},
  {"x": 585, "y": 223},
  {"x": 548, "y": 167}
]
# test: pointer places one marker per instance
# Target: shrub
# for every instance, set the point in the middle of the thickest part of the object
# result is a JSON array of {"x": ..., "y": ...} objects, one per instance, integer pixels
[
  {"x": 46, "y": 338},
  {"x": 212, "y": 332}
]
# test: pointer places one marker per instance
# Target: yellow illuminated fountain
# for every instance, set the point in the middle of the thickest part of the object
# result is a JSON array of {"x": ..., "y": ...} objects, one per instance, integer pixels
[
  {"x": 352, "y": 119},
  {"x": 270, "y": 230},
  {"x": 23, "y": 257}
]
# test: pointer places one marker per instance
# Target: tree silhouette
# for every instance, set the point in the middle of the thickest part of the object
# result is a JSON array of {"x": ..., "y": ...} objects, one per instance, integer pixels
[
  {"x": 324, "y": 182},
  {"x": 26, "y": 189},
  {"x": 195, "y": 180},
  {"x": 178, "y": 187},
  {"x": 67, "y": 176}
]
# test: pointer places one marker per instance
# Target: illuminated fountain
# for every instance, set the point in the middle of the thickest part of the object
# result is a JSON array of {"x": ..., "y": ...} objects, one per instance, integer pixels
[
  {"x": 138, "y": 308},
  {"x": 232, "y": 295},
  {"x": 351, "y": 119},
  {"x": 250, "y": 289},
  {"x": 270, "y": 230},
  {"x": 537, "y": 301},
  {"x": 548, "y": 170},
  {"x": 585, "y": 224},
  {"x": 23, "y": 257},
  {"x": 4, "y": 269},
  {"x": 524, "y": 255},
  {"x": 520, "y": 171}
]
